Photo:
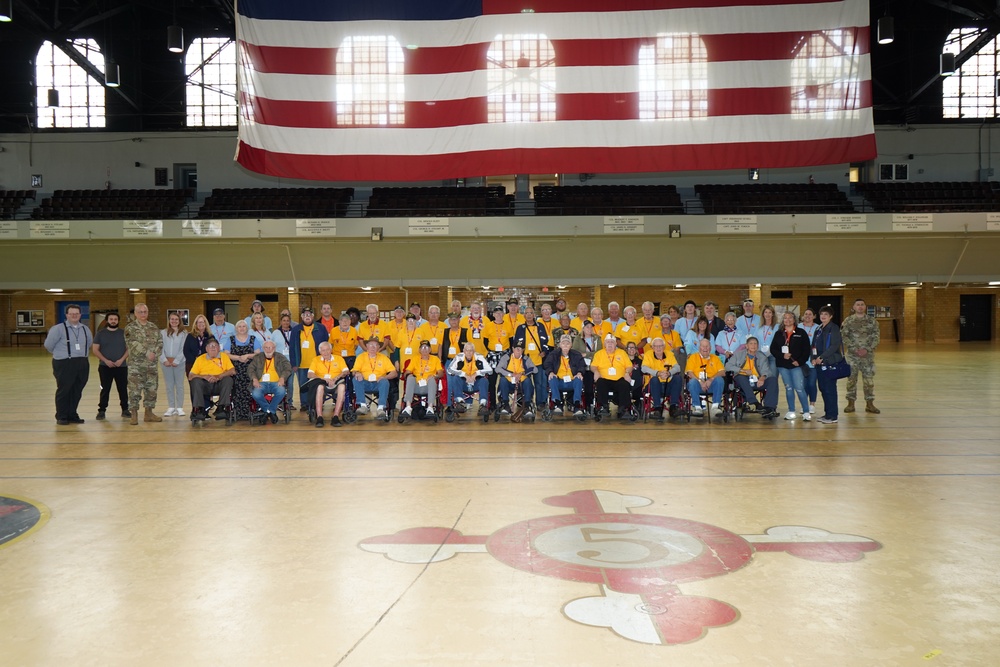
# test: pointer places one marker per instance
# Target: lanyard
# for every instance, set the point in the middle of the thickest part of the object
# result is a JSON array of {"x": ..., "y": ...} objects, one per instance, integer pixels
[
  {"x": 287, "y": 335},
  {"x": 753, "y": 365},
  {"x": 268, "y": 363},
  {"x": 788, "y": 336},
  {"x": 538, "y": 343},
  {"x": 731, "y": 339}
]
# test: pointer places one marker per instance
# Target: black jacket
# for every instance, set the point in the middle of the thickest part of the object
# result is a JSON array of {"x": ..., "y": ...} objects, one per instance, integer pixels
[
  {"x": 552, "y": 362},
  {"x": 798, "y": 346}
]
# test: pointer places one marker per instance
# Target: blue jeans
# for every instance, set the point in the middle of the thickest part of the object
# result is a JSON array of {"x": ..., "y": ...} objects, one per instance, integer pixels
[
  {"x": 810, "y": 375},
  {"x": 268, "y": 388},
  {"x": 303, "y": 375},
  {"x": 506, "y": 386},
  {"x": 794, "y": 384},
  {"x": 558, "y": 387},
  {"x": 541, "y": 383},
  {"x": 828, "y": 389},
  {"x": 718, "y": 384},
  {"x": 381, "y": 388},
  {"x": 770, "y": 390},
  {"x": 658, "y": 389},
  {"x": 457, "y": 386}
]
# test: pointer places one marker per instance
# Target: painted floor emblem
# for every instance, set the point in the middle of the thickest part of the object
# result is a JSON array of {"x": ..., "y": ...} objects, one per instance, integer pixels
[
  {"x": 19, "y": 517},
  {"x": 639, "y": 561}
]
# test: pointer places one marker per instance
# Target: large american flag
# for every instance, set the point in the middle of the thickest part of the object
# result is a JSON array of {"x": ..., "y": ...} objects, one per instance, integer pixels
[{"x": 408, "y": 90}]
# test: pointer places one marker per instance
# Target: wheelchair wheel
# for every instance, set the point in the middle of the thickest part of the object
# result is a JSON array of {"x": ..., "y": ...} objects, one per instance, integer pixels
[
  {"x": 449, "y": 415},
  {"x": 546, "y": 415},
  {"x": 312, "y": 415},
  {"x": 725, "y": 416}
]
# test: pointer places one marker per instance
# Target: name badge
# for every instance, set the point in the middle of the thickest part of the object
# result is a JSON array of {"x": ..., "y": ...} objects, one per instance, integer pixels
[
  {"x": 784, "y": 349},
  {"x": 815, "y": 354},
  {"x": 327, "y": 376},
  {"x": 498, "y": 347},
  {"x": 305, "y": 345},
  {"x": 343, "y": 353},
  {"x": 567, "y": 378},
  {"x": 371, "y": 377},
  {"x": 77, "y": 346},
  {"x": 624, "y": 327},
  {"x": 612, "y": 371},
  {"x": 649, "y": 339},
  {"x": 408, "y": 350},
  {"x": 702, "y": 375},
  {"x": 632, "y": 382},
  {"x": 452, "y": 351},
  {"x": 266, "y": 377},
  {"x": 753, "y": 379},
  {"x": 586, "y": 361},
  {"x": 475, "y": 334},
  {"x": 531, "y": 347},
  {"x": 421, "y": 383},
  {"x": 434, "y": 341}
]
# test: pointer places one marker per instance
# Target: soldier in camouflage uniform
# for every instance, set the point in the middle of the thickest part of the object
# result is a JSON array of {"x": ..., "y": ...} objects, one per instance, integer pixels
[
  {"x": 861, "y": 336},
  {"x": 144, "y": 343}
]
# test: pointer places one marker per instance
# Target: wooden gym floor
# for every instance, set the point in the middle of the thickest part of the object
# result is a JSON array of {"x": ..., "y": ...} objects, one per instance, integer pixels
[{"x": 871, "y": 542}]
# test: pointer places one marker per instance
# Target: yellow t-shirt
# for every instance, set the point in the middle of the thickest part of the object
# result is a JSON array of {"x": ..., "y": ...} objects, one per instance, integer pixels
[
  {"x": 672, "y": 339},
  {"x": 395, "y": 329},
  {"x": 512, "y": 323},
  {"x": 379, "y": 366},
  {"x": 407, "y": 340},
  {"x": 497, "y": 336},
  {"x": 451, "y": 342},
  {"x": 550, "y": 326},
  {"x": 749, "y": 367},
  {"x": 327, "y": 369},
  {"x": 344, "y": 343},
  {"x": 611, "y": 367},
  {"x": 433, "y": 334},
  {"x": 565, "y": 371},
  {"x": 648, "y": 329},
  {"x": 368, "y": 330},
  {"x": 665, "y": 364},
  {"x": 424, "y": 369},
  {"x": 577, "y": 323},
  {"x": 711, "y": 366},
  {"x": 477, "y": 332},
  {"x": 205, "y": 366},
  {"x": 533, "y": 345},
  {"x": 603, "y": 329},
  {"x": 270, "y": 371},
  {"x": 629, "y": 334},
  {"x": 307, "y": 346},
  {"x": 515, "y": 366}
]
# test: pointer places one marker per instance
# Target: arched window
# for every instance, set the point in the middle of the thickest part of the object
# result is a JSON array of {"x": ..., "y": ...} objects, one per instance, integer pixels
[
  {"x": 825, "y": 73},
  {"x": 971, "y": 92},
  {"x": 370, "y": 82},
  {"x": 673, "y": 78},
  {"x": 521, "y": 79},
  {"x": 81, "y": 97},
  {"x": 210, "y": 67}
]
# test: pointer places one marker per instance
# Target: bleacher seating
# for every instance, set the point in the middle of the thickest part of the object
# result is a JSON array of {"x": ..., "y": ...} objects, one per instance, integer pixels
[
  {"x": 937, "y": 196},
  {"x": 444, "y": 201},
  {"x": 774, "y": 198},
  {"x": 123, "y": 204},
  {"x": 607, "y": 200},
  {"x": 276, "y": 203},
  {"x": 12, "y": 200}
]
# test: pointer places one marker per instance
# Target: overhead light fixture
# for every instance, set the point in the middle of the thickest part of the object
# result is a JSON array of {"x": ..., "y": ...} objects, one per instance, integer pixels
[
  {"x": 680, "y": 285},
  {"x": 112, "y": 75},
  {"x": 838, "y": 284},
  {"x": 133, "y": 289},
  {"x": 208, "y": 289},
  {"x": 53, "y": 96},
  {"x": 6, "y": 11},
  {"x": 291, "y": 289},
  {"x": 947, "y": 64},
  {"x": 886, "y": 29},
  {"x": 756, "y": 284},
  {"x": 175, "y": 39},
  {"x": 994, "y": 283},
  {"x": 611, "y": 286},
  {"x": 57, "y": 290},
  {"x": 376, "y": 233},
  {"x": 366, "y": 288},
  {"x": 561, "y": 286}
]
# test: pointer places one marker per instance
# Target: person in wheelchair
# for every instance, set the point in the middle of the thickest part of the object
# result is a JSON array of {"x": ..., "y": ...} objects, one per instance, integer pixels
[
  {"x": 515, "y": 370},
  {"x": 754, "y": 372},
  {"x": 706, "y": 375},
  {"x": 468, "y": 373},
  {"x": 372, "y": 373},
  {"x": 327, "y": 373},
  {"x": 565, "y": 367},
  {"x": 612, "y": 374},
  {"x": 635, "y": 360},
  {"x": 664, "y": 373},
  {"x": 211, "y": 375},
  {"x": 269, "y": 372},
  {"x": 422, "y": 375}
]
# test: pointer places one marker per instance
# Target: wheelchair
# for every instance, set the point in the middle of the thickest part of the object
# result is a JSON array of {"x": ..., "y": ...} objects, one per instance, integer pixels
[
  {"x": 453, "y": 412},
  {"x": 327, "y": 396},
  {"x": 632, "y": 412},
  {"x": 563, "y": 405},
  {"x": 259, "y": 417},
  {"x": 735, "y": 404},
  {"x": 418, "y": 407},
  {"x": 200, "y": 415},
  {"x": 521, "y": 407},
  {"x": 352, "y": 403}
]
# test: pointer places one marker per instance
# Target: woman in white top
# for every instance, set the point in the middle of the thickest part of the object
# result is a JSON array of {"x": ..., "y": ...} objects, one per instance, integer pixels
[
  {"x": 809, "y": 325},
  {"x": 172, "y": 360},
  {"x": 765, "y": 332}
]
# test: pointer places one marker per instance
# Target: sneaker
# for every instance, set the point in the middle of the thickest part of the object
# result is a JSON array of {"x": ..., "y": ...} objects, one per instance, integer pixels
[
  {"x": 221, "y": 415},
  {"x": 319, "y": 422},
  {"x": 335, "y": 421},
  {"x": 673, "y": 411},
  {"x": 100, "y": 415},
  {"x": 461, "y": 407},
  {"x": 505, "y": 410},
  {"x": 558, "y": 410},
  {"x": 714, "y": 410},
  {"x": 528, "y": 414},
  {"x": 812, "y": 409},
  {"x": 198, "y": 415},
  {"x": 697, "y": 411},
  {"x": 170, "y": 412},
  {"x": 827, "y": 420},
  {"x": 179, "y": 412},
  {"x": 380, "y": 413},
  {"x": 362, "y": 409},
  {"x": 790, "y": 416},
  {"x": 273, "y": 416},
  {"x": 408, "y": 410},
  {"x": 806, "y": 416},
  {"x": 482, "y": 409},
  {"x": 429, "y": 412}
]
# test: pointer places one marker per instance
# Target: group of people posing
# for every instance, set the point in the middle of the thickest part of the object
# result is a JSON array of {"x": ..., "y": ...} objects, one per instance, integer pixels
[{"x": 551, "y": 360}]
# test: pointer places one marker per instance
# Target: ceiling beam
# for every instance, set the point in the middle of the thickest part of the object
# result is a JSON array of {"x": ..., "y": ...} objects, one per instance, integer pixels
[
  {"x": 88, "y": 66},
  {"x": 958, "y": 9},
  {"x": 988, "y": 36}
]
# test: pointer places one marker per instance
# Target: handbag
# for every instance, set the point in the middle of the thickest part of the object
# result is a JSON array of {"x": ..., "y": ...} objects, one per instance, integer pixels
[{"x": 836, "y": 371}]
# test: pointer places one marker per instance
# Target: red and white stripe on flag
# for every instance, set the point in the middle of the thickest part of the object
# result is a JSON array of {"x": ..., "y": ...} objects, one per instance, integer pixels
[{"x": 573, "y": 86}]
